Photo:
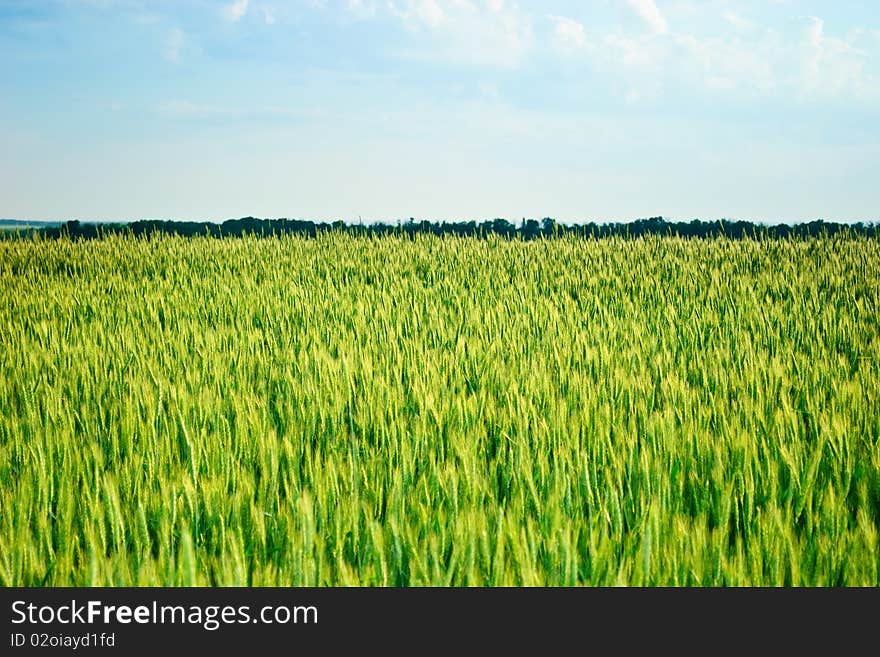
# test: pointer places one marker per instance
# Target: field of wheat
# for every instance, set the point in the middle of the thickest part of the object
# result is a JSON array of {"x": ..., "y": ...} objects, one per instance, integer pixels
[{"x": 439, "y": 411}]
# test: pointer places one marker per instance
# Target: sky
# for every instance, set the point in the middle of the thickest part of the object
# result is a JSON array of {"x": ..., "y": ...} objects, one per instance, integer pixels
[{"x": 446, "y": 110}]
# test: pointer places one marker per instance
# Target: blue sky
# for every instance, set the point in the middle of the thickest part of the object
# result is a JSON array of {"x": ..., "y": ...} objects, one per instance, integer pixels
[{"x": 591, "y": 110}]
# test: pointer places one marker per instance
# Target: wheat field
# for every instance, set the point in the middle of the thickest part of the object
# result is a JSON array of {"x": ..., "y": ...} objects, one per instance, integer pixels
[{"x": 439, "y": 411}]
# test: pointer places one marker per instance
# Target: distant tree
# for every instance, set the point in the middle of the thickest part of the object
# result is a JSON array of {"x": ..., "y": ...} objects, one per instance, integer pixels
[{"x": 528, "y": 229}]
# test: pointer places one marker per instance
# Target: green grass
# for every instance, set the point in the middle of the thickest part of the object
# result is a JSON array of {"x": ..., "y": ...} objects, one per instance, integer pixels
[{"x": 441, "y": 411}]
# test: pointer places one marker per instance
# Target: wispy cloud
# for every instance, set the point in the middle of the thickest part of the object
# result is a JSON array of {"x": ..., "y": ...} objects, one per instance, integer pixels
[
  {"x": 746, "y": 60},
  {"x": 650, "y": 14},
  {"x": 569, "y": 32},
  {"x": 737, "y": 20},
  {"x": 234, "y": 11},
  {"x": 173, "y": 44},
  {"x": 725, "y": 64},
  {"x": 418, "y": 13},
  {"x": 834, "y": 66},
  {"x": 490, "y": 33}
]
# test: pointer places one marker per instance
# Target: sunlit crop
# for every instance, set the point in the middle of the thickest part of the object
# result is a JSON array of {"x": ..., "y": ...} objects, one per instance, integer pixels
[{"x": 439, "y": 411}]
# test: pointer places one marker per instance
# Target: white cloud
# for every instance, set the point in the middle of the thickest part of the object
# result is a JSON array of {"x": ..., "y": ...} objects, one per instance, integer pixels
[
  {"x": 815, "y": 30},
  {"x": 569, "y": 33},
  {"x": 420, "y": 13},
  {"x": 268, "y": 16},
  {"x": 808, "y": 64},
  {"x": 174, "y": 41},
  {"x": 648, "y": 12},
  {"x": 725, "y": 64},
  {"x": 813, "y": 36},
  {"x": 491, "y": 33},
  {"x": 641, "y": 53},
  {"x": 235, "y": 11},
  {"x": 737, "y": 20},
  {"x": 747, "y": 59},
  {"x": 834, "y": 66},
  {"x": 430, "y": 13}
]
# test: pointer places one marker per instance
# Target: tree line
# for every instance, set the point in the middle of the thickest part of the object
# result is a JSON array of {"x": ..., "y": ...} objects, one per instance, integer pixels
[{"x": 527, "y": 229}]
